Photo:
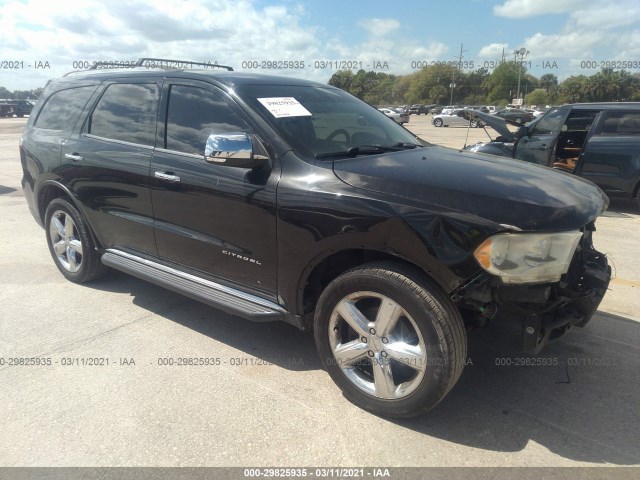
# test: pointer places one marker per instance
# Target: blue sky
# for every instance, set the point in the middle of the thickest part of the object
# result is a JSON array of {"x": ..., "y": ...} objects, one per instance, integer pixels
[{"x": 563, "y": 37}]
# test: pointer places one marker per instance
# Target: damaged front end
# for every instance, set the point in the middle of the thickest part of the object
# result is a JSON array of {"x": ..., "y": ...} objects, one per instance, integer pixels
[{"x": 548, "y": 310}]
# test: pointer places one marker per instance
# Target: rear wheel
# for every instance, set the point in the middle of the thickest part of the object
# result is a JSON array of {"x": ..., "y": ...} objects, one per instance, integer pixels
[
  {"x": 392, "y": 342},
  {"x": 70, "y": 243},
  {"x": 437, "y": 122}
]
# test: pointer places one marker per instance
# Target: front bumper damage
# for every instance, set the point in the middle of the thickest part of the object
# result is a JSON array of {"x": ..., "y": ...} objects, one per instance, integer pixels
[{"x": 547, "y": 311}]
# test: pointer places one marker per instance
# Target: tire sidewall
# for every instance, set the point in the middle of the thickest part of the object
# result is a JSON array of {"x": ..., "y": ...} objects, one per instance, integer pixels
[
  {"x": 84, "y": 273},
  {"x": 434, "y": 384}
]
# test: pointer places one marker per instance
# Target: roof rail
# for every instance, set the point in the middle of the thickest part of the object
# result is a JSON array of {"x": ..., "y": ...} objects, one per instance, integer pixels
[
  {"x": 162, "y": 64},
  {"x": 141, "y": 61}
]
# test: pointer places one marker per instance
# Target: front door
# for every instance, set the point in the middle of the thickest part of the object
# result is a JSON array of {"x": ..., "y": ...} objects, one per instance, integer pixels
[{"x": 216, "y": 219}]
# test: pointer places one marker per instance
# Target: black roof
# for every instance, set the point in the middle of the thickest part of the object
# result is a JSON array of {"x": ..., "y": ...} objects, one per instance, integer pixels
[
  {"x": 229, "y": 79},
  {"x": 603, "y": 105}
]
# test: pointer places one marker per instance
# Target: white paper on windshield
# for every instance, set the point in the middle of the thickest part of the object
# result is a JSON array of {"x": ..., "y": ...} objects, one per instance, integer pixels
[{"x": 284, "y": 107}]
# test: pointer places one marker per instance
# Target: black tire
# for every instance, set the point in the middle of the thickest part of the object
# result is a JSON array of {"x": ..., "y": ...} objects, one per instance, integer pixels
[
  {"x": 71, "y": 247},
  {"x": 429, "y": 328},
  {"x": 474, "y": 124},
  {"x": 438, "y": 122}
]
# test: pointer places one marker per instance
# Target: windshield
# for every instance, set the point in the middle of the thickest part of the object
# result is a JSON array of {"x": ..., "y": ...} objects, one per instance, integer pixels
[{"x": 318, "y": 121}]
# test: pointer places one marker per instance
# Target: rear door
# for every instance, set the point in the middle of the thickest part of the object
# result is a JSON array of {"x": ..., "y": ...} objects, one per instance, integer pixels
[
  {"x": 107, "y": 164},
  {"x": 611, "y": 157},
  {"x": 215, "y": 219}
]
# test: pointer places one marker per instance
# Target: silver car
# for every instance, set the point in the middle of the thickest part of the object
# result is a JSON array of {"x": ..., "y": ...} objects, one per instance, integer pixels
[{"x": 456, "y": 118}]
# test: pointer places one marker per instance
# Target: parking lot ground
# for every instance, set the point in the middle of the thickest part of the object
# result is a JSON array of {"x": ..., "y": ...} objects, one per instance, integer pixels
[{"x": 108, "y": 399}]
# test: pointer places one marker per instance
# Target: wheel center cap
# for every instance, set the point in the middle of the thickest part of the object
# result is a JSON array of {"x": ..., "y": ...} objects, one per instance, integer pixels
[{"x": 375, "y": 342}]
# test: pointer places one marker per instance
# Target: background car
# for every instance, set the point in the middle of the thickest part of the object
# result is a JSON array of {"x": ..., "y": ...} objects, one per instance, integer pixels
[
  {"x": 600, "y": 142},
  {"x": 518, "y": 115},
  {"x": 456, "y": 118},
  {"x": 418, "y": 109},
  {"x": 399, "y": 117},
  {"x": 449, "y": 108},
  {"x": 11, "y": 107}
]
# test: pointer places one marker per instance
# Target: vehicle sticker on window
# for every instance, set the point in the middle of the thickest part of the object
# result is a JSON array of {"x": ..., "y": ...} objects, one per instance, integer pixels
[{"x": 284, "y": 107}]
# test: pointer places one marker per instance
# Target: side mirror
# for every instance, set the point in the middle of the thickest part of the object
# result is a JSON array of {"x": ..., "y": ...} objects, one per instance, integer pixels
[
  {"x": 523, "y": 131},
  {"x": 232, "y": 150}
]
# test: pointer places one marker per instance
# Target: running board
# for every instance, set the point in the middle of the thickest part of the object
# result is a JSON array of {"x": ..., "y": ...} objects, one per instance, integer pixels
[{"x": 218, "y": 296}]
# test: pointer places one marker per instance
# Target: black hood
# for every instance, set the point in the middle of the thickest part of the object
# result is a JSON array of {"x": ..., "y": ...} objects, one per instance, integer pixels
[
  {"x": 499, "y": 124},
  {"x": 501, "y": 190}
]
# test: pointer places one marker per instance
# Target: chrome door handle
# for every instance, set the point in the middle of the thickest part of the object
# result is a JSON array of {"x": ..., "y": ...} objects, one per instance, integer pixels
[
  {"x": 169, "y": 177},
  {"x": 73, "y": 156},
  {"x": 543, "y": 147}
]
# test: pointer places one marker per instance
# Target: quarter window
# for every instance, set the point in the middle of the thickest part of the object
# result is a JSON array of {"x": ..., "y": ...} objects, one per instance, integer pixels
[
  {"x": 126, "y": 112},
  {"x": 193, "y": 114},
  {"x": 62, "y": 109}
]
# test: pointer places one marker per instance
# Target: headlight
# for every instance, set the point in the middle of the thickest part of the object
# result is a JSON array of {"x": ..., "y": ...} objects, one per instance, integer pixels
[{"x": 528, "y": 257}]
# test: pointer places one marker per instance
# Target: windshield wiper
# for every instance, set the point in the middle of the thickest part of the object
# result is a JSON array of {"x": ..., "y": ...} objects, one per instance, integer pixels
[{"x": 369, "y": 149}]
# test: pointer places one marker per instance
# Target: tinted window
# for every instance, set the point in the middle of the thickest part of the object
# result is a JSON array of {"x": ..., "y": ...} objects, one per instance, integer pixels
[
  {"x": 579, "y": 120},
  {"x": 126, "y": 112},
  {"x": 62, "y": 109},
  {"x": 621, "y": 123},
  {"x": 194, "y": 114}
]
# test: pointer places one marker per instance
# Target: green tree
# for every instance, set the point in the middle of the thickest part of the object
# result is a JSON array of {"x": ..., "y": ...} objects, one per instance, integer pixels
[
  {"x": 502, "y": 84},
  {"x": 573, "y": 89},
  {"x": 342, "y": 79},
  {"x": 538, "y": 97}
]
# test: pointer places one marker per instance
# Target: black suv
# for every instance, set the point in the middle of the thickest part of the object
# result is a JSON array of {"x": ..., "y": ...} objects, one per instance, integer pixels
[
  {"x": 280, "y": 199},
  {"x": 598, "y": 141}
]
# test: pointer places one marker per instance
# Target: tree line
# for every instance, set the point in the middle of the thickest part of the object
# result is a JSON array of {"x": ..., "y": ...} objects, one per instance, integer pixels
[
  {"x": 20, "y": 94},
  {"x": 433, "y": 85}
]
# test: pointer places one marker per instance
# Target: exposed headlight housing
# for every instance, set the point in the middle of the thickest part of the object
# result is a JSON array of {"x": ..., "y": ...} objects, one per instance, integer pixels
[{"x": 528, "y": 257}]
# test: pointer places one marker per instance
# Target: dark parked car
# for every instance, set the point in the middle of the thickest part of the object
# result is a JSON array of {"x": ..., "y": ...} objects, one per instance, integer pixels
[
  {"x": 515, "y": 114},
  {"x": 6, "y": 108},
  {"x": 19, "y": 108},
  {"x": 418, "y": 109},
  {"x": 598, "y": 141},
  {"x": 274, "y": 198}
]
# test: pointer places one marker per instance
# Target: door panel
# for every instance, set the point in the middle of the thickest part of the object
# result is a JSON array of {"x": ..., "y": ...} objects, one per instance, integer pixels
[
  {"x": 216, "y": 219},
  {"x": 107, "y": 166}
]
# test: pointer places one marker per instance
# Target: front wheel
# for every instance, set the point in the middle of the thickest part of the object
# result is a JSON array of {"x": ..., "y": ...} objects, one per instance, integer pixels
[
  {"x": 392, "y": 342},
  {"x": 70, "y": 243},
  {"x": 437, "y": 122}
]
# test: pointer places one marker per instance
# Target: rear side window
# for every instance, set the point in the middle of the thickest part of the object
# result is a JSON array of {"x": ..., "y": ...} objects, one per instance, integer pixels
[
  {"x": 195, "y": 113},
  {"x": 126, "y": 112},
  {"x": 621, "y": 123},
  {"x": 62, "y": 109}
]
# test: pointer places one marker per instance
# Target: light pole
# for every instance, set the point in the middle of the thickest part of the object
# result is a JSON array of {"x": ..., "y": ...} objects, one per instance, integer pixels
[{"x": 522, "y": 53}]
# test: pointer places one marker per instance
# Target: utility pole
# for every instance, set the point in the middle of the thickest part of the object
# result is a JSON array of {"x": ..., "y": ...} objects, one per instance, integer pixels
[
  {"x": 522, "y": 53},
  {"x": 452, "y": 85}
]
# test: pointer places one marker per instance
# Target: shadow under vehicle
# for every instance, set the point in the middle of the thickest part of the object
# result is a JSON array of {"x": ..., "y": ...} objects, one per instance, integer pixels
[{"x": 599, "y": 142}]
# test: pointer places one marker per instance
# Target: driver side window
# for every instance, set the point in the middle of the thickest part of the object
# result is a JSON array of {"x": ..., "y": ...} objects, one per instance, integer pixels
[
  {"x": 193, "y": 114},
  {"x": 550, "y": 123}
]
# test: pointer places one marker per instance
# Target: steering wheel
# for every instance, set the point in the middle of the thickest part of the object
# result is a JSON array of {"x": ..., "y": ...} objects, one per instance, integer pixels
[{"x": 340, "y": 131}]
